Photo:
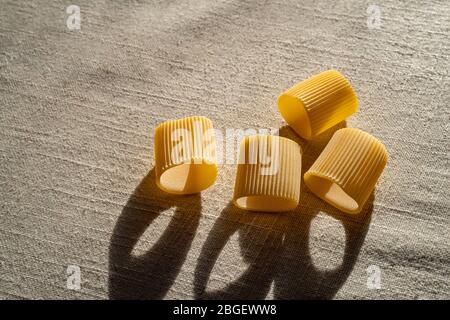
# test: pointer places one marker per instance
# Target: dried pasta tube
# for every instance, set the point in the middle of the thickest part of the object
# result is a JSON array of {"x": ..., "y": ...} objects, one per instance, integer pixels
[
  {"x": 318, "y": 103},
  {"x": 268, "y": 174},
  {"x": 347, "y": 170},
  {"x": 185, "y": 155}
]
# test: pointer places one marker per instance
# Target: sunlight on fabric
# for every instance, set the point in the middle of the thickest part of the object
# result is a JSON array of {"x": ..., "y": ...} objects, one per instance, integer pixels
[{"x": 326, "y": 242}]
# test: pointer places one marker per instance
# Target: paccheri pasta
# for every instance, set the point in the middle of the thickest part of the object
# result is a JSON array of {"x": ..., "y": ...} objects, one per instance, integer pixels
[
  {"x": 268, "y": 174},
  {"x": 347, "y": 170},
  {"x": 185, "y": 155},
  {"x": 318, "y": 103}
]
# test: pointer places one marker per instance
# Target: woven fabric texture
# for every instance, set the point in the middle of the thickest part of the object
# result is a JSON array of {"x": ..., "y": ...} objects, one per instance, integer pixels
[{"x": 77, "y": 114}]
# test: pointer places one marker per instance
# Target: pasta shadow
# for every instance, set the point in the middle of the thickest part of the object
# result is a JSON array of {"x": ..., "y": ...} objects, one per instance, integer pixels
[
  {"x": 260, "y": 241},
  {"x": 276, "y": 248},
  {"x": 298, "y": 277},
  {"x": 151, "y": 274},
  {"x": 312, "y": 148}
]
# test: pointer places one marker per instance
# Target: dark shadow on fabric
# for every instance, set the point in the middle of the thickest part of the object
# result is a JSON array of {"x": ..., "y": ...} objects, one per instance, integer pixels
[
  {"x": 277, "y": 250},
  {"x": 150, "y": 276},
  {"x": 260, "y": 241},
  {"x": 312, "y": 148},
  {"x": 297, "y": 276}
]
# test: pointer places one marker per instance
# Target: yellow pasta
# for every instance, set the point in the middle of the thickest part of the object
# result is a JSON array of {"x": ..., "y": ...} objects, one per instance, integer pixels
[
  {"x": 185, "y": 155},
  {"x": 347, "y": 170},
  {"x": 318, "y": 103},
  {"x": 268, "y": 174}
]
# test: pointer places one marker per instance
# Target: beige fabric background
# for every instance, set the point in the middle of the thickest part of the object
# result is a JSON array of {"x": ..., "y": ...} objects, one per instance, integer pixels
[{"x": 77, "y": 113}]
